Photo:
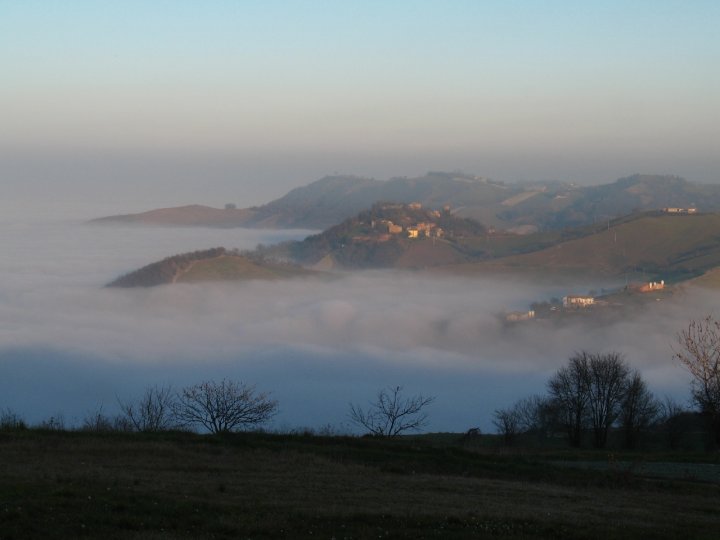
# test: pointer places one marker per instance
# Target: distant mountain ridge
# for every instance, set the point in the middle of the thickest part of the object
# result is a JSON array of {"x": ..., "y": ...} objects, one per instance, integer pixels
[
  {"x": 521, "y": 207},
  {"x": 329, "y": 201}
]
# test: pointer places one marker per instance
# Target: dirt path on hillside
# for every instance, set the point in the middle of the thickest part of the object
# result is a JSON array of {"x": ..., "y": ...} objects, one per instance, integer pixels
[{"x": 183, "y": 271}]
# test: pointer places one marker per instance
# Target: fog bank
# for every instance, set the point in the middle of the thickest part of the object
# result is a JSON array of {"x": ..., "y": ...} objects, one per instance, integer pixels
[{"x": 69, "y": 345}]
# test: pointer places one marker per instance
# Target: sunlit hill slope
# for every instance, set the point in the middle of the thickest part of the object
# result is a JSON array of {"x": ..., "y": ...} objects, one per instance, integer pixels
[{"x": 655, "y": 244}]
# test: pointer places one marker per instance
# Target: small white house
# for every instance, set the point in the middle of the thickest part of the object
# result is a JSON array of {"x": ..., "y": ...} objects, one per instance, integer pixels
[{"x": 573, "y": 300}]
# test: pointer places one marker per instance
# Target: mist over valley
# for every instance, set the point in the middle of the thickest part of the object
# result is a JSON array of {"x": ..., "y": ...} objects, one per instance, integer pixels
[
  {"x": 359, "y": 269},
  {"x": 70, "y": 345}
]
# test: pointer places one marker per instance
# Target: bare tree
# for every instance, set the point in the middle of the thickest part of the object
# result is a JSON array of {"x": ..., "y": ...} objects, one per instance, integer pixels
[
  {"x": 223, "y": 407},
  {"x": 535, "y": 414},
  {"x": 638, "y": 409},
  {"x": 608, "y": 381},
  {"x": 153, "y": 411},
  {"x": 531, "y": 414},
  {"x": 588, "y": 392},
  {"x": 391, "y": 414},
  {"x": 672, "y": 422},
  {"x": 507, "y": 422},
  {"x": 569, "y": 390},
  {"x": 699, "y": 353}
]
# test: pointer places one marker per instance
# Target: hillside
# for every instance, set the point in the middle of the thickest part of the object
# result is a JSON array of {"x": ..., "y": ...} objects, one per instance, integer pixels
[
  {"x": 657, "y": 245},
  {"x": 185, "y": 216},
  {"x": 521, "y": 208},
  {"x": 577, "y": 206},
  {"x": 216, "y": 264},
  {"x": 652, "y": 245},
  {"x": 330, "y": 200}
]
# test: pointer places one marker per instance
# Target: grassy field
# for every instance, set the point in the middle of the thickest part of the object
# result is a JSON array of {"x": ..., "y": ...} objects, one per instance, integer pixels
[{"x": 179, "y": 485}]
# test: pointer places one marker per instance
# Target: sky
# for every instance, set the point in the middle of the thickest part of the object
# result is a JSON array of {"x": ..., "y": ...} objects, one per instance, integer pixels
[{"x": 222, "y": 99}]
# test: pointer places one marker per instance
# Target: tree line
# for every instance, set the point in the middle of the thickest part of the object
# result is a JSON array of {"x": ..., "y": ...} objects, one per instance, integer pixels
[
  {"x": 595, "y": 393},
  {"x": 214, "y": 406},
  {"x": 588, "y": 397}
]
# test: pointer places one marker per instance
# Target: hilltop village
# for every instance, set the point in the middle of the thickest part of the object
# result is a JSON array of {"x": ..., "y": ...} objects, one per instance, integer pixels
[
  {"x": 386, "y": 227},
  {"x": 387, "y": 220},
  {"x": 380, "y": 236}
]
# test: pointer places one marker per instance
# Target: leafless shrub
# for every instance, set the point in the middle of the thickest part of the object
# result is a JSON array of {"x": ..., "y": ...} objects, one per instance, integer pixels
[
  {"x": 529, "y": 415},
  {"x": 11, "y": 421},
  {"x": 53, "y": 423},
  {"x": 507, "y": 422},
  {"x": 97, "y": 421},
  {"x": 154, "y": 411}
]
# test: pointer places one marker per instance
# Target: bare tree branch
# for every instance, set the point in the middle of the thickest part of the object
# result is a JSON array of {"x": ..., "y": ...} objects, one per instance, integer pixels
[
  {"x": 391, "y": 414},
  {"x": 699, "y": 353},
  {"x": 507, "y": 422},
  {"x": 223, "y": 407},
  {"x": 569, "y": 389},
  {"x": 638, "y": 409},
  {"x": 589, "y": 392},
  {"x": 154, "y": 411}
]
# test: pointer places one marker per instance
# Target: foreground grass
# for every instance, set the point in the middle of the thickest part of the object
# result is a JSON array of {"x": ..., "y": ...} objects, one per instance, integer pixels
[{"x": 75, "y": 485}]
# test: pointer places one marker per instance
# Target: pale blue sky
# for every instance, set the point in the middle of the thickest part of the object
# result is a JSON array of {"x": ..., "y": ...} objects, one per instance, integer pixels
[{"x": 536, "y": 89}]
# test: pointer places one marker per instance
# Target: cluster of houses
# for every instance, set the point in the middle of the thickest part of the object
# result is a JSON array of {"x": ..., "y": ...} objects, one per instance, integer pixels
[
  {"x": 417, "y": 230},
  {"x": 573, "y": 302},
  {"x": 517, "y": 316},
  {"x": 672, "y": 210},
  {"x": 651, "y": 286},
  {"x": 578, "y": 301}
]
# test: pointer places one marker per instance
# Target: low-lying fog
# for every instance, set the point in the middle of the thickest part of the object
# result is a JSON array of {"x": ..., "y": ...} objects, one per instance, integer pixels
[{"x": 69, "y": 346}]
